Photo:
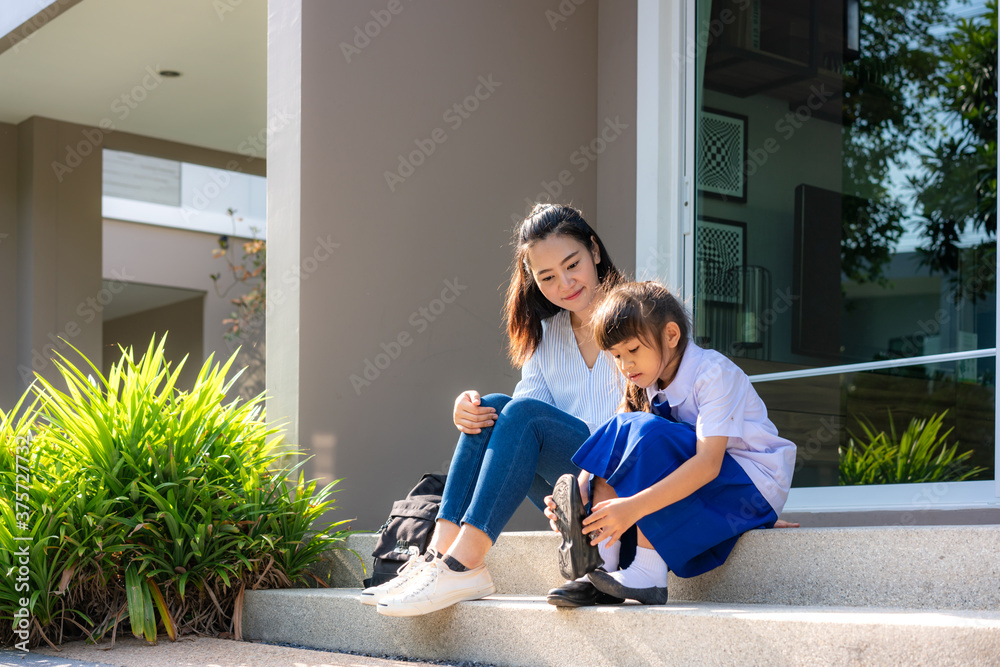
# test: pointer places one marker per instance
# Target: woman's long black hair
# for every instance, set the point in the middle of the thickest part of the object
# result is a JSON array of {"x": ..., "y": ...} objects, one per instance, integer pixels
[{"x": 526, "y": 306}]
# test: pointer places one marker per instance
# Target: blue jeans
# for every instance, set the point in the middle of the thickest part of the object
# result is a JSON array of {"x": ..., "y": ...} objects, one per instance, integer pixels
[{"x": 522, "y": 454}]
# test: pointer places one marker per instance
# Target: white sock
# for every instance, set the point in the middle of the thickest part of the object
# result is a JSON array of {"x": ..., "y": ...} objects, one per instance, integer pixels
[
  {"x": 610, "y": 556},
  {"x": 648, "y": 570}
]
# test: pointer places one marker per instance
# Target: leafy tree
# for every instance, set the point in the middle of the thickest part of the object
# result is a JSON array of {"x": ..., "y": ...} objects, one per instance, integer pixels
[
  {"x": 883, "y": 96},
  {"x": 956, "y": 188}
]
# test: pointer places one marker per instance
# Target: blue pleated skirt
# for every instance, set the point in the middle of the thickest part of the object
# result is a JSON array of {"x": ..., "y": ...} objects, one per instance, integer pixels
[{"x": 635, "y": 450}]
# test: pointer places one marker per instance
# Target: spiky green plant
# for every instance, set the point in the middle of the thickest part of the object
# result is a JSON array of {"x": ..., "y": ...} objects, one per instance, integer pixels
[
  {"x": 921, "y": 453},
  {"x": 148, "y": 503}
]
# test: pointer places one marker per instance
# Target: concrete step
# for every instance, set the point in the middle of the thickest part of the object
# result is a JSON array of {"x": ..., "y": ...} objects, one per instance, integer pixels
[
  {"x": 522, "y": 630},
  {"x": 926, "y": 567}
]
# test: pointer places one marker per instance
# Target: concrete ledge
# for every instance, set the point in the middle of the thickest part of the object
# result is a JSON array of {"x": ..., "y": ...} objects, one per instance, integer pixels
[
  {"x": 522, "y": 563},
  {"x": 978, "y": 516},
  {"x": 512, "y": 630},
  {"x": 925, "y": 567}
]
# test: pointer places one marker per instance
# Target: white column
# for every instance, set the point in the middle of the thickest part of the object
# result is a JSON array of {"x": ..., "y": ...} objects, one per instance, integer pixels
[
  {"x": 284, "y": 156},
  {"x": 664, "y": 143}
]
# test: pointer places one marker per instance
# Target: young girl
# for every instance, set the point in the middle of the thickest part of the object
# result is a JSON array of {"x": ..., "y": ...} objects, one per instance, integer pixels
[{"x": 693, "y": 460}]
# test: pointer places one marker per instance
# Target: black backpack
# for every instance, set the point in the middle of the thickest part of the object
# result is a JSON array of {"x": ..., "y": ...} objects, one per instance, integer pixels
[{"x": 408, "y": 529}]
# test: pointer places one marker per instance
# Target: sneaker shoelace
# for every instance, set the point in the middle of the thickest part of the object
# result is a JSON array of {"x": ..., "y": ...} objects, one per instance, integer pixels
[
  {"x": 410, "y": 562},
  {"x": 405, "y": 571},
  {"x": 424, "y": 578}
]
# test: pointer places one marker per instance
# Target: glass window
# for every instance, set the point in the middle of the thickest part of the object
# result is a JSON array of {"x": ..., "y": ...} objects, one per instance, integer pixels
[
  {"x": 140, "y": 188},
  {"x": 857, "y": 428},
  {"x": 845, "y": 210}
]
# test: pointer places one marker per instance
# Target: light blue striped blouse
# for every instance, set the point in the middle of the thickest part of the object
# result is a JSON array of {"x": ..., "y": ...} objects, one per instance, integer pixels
[{"x": 557, "y": 374}]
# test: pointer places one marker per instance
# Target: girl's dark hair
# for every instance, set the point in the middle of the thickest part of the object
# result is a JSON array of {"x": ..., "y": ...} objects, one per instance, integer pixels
[
  {"x": 638, "y": 310},
  {"x": 526, "y": 306}
]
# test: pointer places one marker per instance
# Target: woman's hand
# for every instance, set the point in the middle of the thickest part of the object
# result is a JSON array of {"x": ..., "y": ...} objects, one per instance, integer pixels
[
  {"x": 583, "y": 481},
  {"x": 610, "y": 518},
  {"x": 781, "y": 523},
  {"x": 469, "y": 416}
]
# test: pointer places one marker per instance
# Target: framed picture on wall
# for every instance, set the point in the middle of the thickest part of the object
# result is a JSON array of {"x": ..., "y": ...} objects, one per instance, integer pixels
[
  {"x": 719, "y": 267},
  {"x": 721, "y": 155},
  {"x": 720, "y": 246}
]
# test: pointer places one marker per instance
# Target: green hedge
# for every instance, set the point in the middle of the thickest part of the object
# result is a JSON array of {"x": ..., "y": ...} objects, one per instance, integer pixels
[
  {"x": 921, "y": 453},
  {"x": 126, "y": 498}
]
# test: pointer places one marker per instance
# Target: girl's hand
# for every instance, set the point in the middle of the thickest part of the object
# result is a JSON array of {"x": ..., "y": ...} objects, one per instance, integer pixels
[
  {"x": 469, "y": 416},
  {"x": 610, "y": 518},
  {"x": 781, "y": 523},
  {"x": 550, "y": 504},
  {"x": 550, "y": 513}
]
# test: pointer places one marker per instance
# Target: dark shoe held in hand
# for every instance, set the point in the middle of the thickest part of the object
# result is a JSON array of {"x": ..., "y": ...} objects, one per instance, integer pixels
[{"x": 577, "y": 556}]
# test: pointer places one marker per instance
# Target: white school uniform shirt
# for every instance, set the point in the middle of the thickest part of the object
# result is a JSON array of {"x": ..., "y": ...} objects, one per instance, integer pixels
[
  {"x": 557, "y": 374},
  {"x": 715, "y": 395}
]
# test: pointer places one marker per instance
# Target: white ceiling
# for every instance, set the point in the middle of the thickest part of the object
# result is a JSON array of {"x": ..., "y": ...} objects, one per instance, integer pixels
[{"x": 79, "y": 66}]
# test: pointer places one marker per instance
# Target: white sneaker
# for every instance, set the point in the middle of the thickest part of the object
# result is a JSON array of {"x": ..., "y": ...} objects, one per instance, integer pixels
[
  {"x": 371, "y": 595},
  {"x": 435, "y": 587}
]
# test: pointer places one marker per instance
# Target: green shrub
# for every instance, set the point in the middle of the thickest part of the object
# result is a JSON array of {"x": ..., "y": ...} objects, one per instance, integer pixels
[
  {"x": 148, "y": 503},
  {"x": 920, "y": 454}
]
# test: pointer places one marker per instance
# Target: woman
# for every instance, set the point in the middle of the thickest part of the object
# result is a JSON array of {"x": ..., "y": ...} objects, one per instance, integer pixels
[{"x": 513, "y": 447}]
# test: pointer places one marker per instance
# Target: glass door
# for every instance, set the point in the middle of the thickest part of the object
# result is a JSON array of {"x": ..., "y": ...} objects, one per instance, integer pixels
[{"x": 844, "y": 236}]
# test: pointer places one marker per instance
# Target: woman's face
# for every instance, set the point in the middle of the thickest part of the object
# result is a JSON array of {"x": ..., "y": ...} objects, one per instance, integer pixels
[{"x": 565, "y": 271}]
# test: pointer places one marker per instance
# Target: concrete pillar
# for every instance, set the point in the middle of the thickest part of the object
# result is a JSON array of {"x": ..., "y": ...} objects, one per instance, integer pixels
[
  {"x": 8, "y": 267},
  {"x": 59, "y": 290},
  {"x": 616, "y": 106},
  {"x": 424, "y": 131}
]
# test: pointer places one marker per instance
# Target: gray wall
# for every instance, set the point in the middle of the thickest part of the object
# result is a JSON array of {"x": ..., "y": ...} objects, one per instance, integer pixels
[
  {"x": 59, "y": 248},
  {"x": 183, "y": 321},
  {"x": 616, "y": 99},
  {"x": 51, "y": 257},
  {"x": 180, "y": 258},
  {"x": 400, "y": 246}
]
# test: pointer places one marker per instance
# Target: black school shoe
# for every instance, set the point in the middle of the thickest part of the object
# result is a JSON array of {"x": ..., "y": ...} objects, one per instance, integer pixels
[
  {"x": 580, "y": 594},
  {"x": 605, "y": 583},
  {"x": 577, "y": 556}
]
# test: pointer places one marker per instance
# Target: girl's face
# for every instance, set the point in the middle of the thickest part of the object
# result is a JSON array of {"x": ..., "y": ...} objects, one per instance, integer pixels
[
  {"x": 644, "y": 365},
  {"x": 565, "y": 271}
]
